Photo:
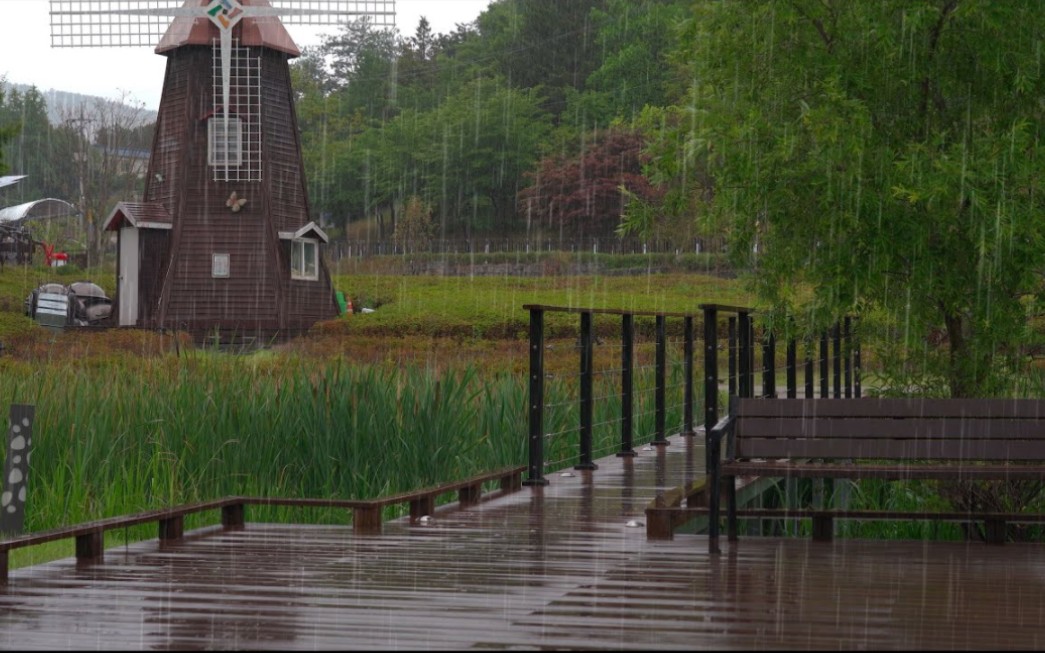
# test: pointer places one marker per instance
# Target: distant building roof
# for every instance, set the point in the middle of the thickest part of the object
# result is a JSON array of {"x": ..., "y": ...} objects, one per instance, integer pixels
[
  {"x": 10, "y": 179},
  {"x": 39, "y": 209},
  {"x": 265, "y": 31}
]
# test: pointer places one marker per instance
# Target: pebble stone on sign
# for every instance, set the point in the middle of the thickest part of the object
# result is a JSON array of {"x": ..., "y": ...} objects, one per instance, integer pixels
[{"x": 16, "y": 469}]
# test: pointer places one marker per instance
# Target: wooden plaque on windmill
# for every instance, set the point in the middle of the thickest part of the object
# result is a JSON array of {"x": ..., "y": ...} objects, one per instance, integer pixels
[{"x": 222, "y": 244}]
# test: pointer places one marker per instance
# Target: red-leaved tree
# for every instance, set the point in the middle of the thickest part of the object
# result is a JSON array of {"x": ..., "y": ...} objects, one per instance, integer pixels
[{"x": 581, "y": 195}]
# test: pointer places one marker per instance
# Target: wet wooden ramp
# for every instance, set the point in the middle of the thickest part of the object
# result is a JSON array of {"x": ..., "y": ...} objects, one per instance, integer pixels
[{"x": 544, "y": 568}]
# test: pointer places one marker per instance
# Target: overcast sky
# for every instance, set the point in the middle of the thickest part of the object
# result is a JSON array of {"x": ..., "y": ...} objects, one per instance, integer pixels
[{"x": 26, "y": 56}]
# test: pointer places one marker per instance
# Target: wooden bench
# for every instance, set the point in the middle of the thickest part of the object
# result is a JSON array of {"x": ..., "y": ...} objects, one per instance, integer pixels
[{"x": 894, "y": 439}]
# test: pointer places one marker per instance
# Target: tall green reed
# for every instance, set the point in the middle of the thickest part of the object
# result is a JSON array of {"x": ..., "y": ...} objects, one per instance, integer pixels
[{"x": 120, "y": 437}]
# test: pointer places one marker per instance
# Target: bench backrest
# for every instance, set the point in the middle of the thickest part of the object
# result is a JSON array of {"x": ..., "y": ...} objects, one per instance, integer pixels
[{"x": 904, "y": 429}]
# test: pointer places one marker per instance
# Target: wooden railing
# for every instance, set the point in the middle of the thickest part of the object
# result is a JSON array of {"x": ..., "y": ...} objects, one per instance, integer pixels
[{"x": 366, "y": 514}]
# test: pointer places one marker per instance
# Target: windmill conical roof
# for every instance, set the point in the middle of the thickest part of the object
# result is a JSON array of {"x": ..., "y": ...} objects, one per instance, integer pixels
[{"x": 265, "y": 31}]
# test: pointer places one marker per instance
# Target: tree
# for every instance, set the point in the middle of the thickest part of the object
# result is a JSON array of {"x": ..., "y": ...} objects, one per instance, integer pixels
[
  {"x": 886, "y": 155},
  {"x": 108, "y": 158},
  {"x": 635, "y": 39},
  {"x": 584, "y": 193},
  {"x": 414, "y": 229}
]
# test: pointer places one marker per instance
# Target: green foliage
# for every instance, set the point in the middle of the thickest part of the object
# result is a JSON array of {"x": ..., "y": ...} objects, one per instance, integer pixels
[{"x": 886, "y": 154}]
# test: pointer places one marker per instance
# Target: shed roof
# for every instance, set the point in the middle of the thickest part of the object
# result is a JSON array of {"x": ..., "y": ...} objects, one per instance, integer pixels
[
  {"x": 266, "y": 31},
  {"x": 144, "y": 215},
  {"x": 42, "y": 209}
]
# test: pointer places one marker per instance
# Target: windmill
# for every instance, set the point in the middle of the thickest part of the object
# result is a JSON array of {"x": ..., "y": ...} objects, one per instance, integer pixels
[{"x": 221, "y": 244}]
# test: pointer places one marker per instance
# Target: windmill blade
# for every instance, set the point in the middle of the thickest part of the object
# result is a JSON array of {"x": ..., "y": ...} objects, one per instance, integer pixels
[{"x": 142, "y": 23}]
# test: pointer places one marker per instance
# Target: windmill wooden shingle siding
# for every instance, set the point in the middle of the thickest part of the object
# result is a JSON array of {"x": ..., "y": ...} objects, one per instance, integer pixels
[{"x": 227, "y": 251}]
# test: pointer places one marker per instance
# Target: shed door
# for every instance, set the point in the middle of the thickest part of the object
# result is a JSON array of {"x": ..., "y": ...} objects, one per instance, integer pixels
[{"x": 128, "y": 281}]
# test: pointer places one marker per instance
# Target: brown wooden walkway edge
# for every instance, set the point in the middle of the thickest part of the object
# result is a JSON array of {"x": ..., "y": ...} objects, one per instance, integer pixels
[{"x": 366, "y": 514}]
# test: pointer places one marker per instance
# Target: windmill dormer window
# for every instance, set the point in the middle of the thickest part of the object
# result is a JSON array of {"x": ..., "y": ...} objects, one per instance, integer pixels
[
  {"x": 224, "y": 141},
  {"x": 304, "y": 259}
]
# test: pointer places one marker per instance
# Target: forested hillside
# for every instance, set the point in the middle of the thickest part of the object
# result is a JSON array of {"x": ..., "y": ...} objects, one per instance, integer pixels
[{"x": 525, "y": 122}]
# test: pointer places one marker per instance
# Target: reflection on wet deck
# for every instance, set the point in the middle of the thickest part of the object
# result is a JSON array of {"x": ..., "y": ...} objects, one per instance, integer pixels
[{"x": 553, "y": 567}]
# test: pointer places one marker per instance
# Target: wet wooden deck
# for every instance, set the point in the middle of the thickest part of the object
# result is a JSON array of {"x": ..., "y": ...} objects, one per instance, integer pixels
[{"x": 545, "y": 568}]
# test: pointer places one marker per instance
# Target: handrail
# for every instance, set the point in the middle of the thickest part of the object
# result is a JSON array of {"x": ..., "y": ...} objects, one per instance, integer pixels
[{"x": 366, "y": 515}]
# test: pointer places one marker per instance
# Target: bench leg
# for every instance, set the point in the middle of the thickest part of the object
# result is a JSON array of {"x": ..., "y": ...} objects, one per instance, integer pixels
[
  {"x": 3, "y": 567},
  {"x": 731, "y": 506}
]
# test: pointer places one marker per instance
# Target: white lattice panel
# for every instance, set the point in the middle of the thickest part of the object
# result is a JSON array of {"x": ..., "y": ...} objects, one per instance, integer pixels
[{"x": 245, "y": 103}]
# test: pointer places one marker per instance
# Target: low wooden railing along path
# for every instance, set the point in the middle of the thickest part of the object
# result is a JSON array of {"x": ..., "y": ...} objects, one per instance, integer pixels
[{"x": 366, "y": 515}]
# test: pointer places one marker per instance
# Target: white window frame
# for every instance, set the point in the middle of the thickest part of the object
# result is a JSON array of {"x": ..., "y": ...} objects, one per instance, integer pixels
[
  {"x": 301, "y": 256},
  {"x": 231, "y": 146},
  {"x": 220, "y": 266}
]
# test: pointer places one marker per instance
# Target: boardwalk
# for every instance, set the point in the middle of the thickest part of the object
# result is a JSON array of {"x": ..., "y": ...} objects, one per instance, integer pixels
[{"x": 556, "y": 567}]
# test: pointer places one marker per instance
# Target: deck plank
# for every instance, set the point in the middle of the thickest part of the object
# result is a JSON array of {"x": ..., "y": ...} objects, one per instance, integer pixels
[{"x": 546, "y": 567}]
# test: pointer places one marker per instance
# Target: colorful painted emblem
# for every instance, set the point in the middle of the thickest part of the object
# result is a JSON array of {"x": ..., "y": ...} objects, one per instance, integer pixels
[{"x": 225, "y": 13}]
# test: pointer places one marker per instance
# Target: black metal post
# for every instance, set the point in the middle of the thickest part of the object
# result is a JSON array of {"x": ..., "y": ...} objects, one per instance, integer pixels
[
  {"x": 836, "y": 336},
  {"x": 847, "y": 334},
  {"x": 587, "y": 372},
  {"x": 792, "y": 368},
  {"x": 627, "y": 362},
  {"x": 732, "y": 358},
  {"x": 687, "y": 365},
  {"x": 710, "y": 377},
  {"x": 535, "y": 472},
  {"x": 824, "y": 382},
  {"x": 768, "y": 366},
  {"x": 856, "y": 365},
  {"x": 809, "y": 371},
  {"x": 661, "y": 381},
  {"x": 744, "y": 356}
]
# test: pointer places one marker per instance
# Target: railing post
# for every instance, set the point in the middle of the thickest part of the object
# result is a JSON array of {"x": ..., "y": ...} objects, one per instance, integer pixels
[
  {"x": 16, "y": 468},
  {"x": 769, "y": 366},
  {"x": 732, "y": 357},
  {"x": 809, "y": 394},
  {"x": 836, "y": 336},
  {"x": 744, "y": 356},
  {"x": 627, "y": 396},
  {"x": 792, "y": 368},
  {"x": 710, "y": 377},
  {"x": 848, "y": 336},
  {"x": 856, "y": 367},
  {"x": 586, "y": 393},
  {"x": 661, "y": 382},
  {"x": 536, "y": 417},
  {"x": 824, "y": 378},
  {"x": 687, "y": 363}
]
